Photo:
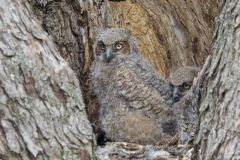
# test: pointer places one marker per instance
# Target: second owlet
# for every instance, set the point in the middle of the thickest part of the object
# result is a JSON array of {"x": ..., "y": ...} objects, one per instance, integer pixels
[
  {"x": 185, "y": 101},
  {"x": 133, "y": 98},
  {"x": 181, "y": 80}
]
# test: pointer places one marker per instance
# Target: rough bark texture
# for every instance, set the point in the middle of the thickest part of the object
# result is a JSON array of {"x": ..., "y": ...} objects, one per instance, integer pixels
[
  {"x": 219, "y": 136},
  {"x": 42, "y": 114}
]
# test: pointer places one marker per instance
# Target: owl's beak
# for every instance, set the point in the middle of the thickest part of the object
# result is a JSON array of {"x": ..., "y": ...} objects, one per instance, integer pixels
[
  {"x": 176, "y": 94},
  {"x": 109, "y": 54}
]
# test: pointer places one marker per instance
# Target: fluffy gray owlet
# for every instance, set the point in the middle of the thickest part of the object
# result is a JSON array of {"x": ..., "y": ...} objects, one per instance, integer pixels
[
  {"x": 184, "y": 101},
  {"x": 182, "y": 79},
  {"x": 132, "y": 96}
]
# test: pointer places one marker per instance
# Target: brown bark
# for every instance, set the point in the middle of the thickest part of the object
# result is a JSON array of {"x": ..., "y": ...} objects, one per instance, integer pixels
[{"x": 219, "y": 136}]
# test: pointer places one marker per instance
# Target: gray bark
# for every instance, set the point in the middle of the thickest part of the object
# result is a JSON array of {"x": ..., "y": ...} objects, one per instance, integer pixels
[
  {"x": 42, "y": 114},
  {"x": 219, "y": 135}
]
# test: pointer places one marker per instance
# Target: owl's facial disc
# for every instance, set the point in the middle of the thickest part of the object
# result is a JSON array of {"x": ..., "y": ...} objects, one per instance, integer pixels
[
  {"x": 107, "y": 52},
  {"x": 181, "y": 90}
]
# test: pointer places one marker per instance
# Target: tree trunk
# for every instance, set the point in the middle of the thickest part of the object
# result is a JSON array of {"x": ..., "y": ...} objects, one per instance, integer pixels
[
  {"x": 219, "y": 136},
  {"x": 42, "y": 114}
]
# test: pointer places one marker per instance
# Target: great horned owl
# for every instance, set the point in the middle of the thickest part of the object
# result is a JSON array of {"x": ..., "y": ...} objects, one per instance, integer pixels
[
  {"x": 130, "y": 93},
  {"x": 181, "y": 80},
  {"x": 185, "y": 101}
]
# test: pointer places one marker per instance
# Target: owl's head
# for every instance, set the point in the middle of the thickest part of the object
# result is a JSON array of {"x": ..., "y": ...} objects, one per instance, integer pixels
[
  {"x": 114, "y": 44},
  {"x": 181, "y": 80}
]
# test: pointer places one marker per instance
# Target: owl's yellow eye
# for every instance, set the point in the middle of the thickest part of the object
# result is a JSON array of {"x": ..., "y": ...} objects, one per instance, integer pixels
[{"x": 118, "y": 46}]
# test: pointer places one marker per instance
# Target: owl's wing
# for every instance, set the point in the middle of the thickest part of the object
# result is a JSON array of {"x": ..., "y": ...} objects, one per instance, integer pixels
[
  {"x": 146, "y": 73},
  {"x": 140, "y": 96}
]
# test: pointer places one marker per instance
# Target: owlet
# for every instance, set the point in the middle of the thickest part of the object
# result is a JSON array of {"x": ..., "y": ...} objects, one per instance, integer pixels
[{"x": 133, "y": 98}]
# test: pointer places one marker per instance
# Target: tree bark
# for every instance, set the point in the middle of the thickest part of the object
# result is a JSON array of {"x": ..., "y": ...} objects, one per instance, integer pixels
[
  {"x": 42, "y": 114},
  {"x": 219, "y": 136}
]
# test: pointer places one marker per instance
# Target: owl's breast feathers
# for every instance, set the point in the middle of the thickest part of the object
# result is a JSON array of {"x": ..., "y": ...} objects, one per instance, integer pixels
[
  {"x": 140, "y": 96},
  {"x": 136, "y": 83},
  {"x": 149, "y": 76}
]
